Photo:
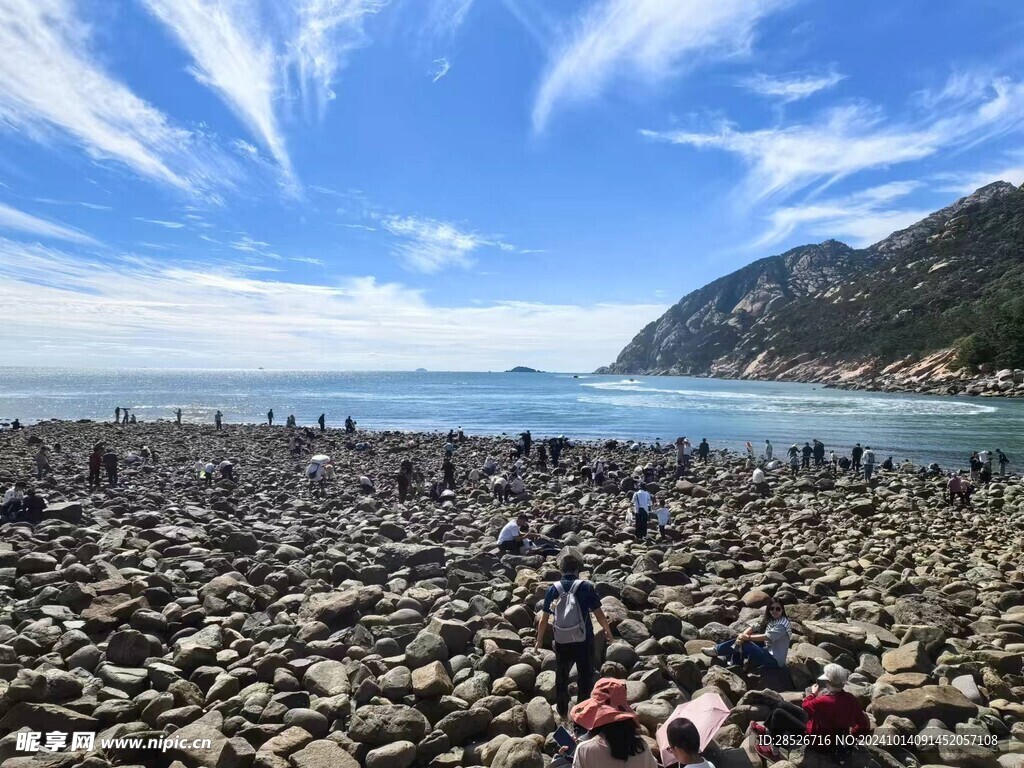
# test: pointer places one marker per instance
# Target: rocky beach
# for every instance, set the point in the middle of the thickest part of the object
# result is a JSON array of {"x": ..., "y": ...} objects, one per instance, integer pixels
[{"x": 299, "y": 627}]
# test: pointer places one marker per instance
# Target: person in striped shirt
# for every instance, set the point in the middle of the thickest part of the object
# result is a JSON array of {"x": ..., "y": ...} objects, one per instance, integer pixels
[{"x": 766, "y": 648}]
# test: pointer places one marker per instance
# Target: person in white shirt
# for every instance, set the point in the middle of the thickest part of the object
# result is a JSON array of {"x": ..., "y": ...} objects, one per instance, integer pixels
[
  {"x": 511, "y": 538},
  {"x": 499, "y": 488},
  {"x": 642, "y": 503},
  {"x": 761, "y": 483},
  {"x": 14, "y": 498},
  {"x": 663, "y": 515},
  {"x": 684, "y": 743},
  {"x": 516, "y": 486}
]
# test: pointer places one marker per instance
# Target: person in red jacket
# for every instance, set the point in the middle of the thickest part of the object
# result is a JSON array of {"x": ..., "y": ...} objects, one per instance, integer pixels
[{"x": 826, "y": 710}]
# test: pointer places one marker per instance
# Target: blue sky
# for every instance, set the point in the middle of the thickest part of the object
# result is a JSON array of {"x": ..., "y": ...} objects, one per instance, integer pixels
[{"x": 460, "y": 184}]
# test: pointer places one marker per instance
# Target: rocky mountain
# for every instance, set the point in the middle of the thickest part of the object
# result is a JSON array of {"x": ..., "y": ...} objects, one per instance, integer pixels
[{"x": 929, "y": 307}]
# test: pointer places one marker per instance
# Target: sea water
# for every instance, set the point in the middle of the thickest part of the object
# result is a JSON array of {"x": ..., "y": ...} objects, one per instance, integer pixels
[{"x": 922, "y": 428}]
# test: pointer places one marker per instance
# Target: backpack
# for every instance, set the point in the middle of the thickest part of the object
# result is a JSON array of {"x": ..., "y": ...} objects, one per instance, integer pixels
[{"x": 569, "y": 624}]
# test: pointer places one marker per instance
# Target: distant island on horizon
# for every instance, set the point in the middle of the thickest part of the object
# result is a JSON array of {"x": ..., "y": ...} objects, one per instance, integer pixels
[{"x": 523, "y": 369}]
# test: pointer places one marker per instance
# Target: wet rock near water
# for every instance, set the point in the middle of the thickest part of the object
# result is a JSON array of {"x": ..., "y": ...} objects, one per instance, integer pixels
[{"x": 298, "y": 626}]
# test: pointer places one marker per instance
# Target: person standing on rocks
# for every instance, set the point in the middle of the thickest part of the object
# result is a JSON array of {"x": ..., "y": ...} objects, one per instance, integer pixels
[
  {"x": 542, "y": 457},
  {"x": 597, "y": 472},
  {"x": 642, "y": 503},
  {"x": 573, "y": 630},
  {"x": 499, "y": 488},
  {"x": 177, "y": 416},
  {"x": 95, "y": 462},
  {"x": 869, "y": 462},
  {"x": 117, "y": 415},
  {"x": 761, "y": 483},
  {"x": 985, "y": 457},
  {"x": 794, "y": 460},
  {"x": 448, "y": 469},
  {"x": 833, "y": 462},
  {"x": 218, "y": 419},
  {"x": 1003, "y": 461},
  {"x": 819, "y": 453},
  {"x": 703, "y": 451},
  {"x": 43, "y": 467},
  {"x": 404, "y": 480},
  {"x": 110, "y": 464},
  {"x": 805, "y": 454},
  {"x": 768, "y": 450},
  {"x": 954, "y": 487},
  {"x": 527, "y": 442},
  {"x": 556, "y": 445},
  {"x": 124, "y": 411},
  {"x": 855, "y": 456},
  {"x": 270, "y": 417},
  {"x": 774, "y": 632},
  {"x": 350, "y": 425},
  {"x": 322, "y": 421}
]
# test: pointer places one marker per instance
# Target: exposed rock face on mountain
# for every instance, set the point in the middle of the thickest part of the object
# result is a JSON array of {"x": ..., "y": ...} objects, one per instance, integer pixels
[{"x": 905, "y": 313}]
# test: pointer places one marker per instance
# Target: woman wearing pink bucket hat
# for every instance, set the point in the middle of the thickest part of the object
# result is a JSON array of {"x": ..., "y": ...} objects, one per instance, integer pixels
[{"x": 614, "y": 729}]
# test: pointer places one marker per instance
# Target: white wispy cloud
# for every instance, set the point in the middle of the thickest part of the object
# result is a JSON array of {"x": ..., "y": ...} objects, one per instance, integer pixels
[
  {"x": 643, "y": 40},
  {"x": 250, "y": 245},
  {"x": 154, "y": 313},
  {"x": 326, "y": 33},
  {"x": 860, "y": 219},
  {"x": 19, "y": 221},
  {"x": 52, "y": 87},
  {"x": 965, "y": 182},
  {"x": 92, "y": 206},
  {"x": 440, "y": 69},
  {"x": 428, "y": 245},
  {"x": 446, "y": 17},
  {"x": 251, "y": 62},
  {"x": 858, "y": 137},
  {"x": 231, "y": 57},
  {"x": 792, "y": 87},
  {"x": 161, "y": 223}
]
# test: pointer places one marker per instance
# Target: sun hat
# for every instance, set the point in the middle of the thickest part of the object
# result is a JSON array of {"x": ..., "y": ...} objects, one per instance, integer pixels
[
  {"x": 607, "y": 704},
  {"x": 834, "y": 676}
]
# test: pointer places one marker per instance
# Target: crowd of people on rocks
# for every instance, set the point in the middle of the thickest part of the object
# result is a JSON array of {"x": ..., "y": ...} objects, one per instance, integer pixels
[{"x": 602, "y": 730}]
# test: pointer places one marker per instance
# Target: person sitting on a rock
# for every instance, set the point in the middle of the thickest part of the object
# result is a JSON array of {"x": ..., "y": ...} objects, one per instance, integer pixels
[
  {"x": 14, "y": 499},
  {"x": 827, "y": 710},
  {"x": 365, "y": 484},
  {"x": 614, "y": 730},
  {"x": 774, "y": 632},
  {"x": 490, "y": 466},
  {"x": 516, "y": 487},
  {"x": 514, "y": 536},
  {"x": 34, "y": 506},
  {"x": 684, "y": 744},
  {"x": 227, "y": 470}
]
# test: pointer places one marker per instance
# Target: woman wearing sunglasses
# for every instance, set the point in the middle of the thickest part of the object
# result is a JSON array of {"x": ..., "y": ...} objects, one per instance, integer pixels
[{"x": 774, "y": 633}]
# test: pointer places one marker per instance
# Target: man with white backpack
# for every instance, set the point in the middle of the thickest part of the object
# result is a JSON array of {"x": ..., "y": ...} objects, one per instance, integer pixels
[{"x": 573, "y": 630}]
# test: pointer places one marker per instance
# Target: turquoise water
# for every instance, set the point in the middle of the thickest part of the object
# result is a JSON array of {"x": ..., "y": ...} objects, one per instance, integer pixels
[{"x": 728, "y": 413}]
